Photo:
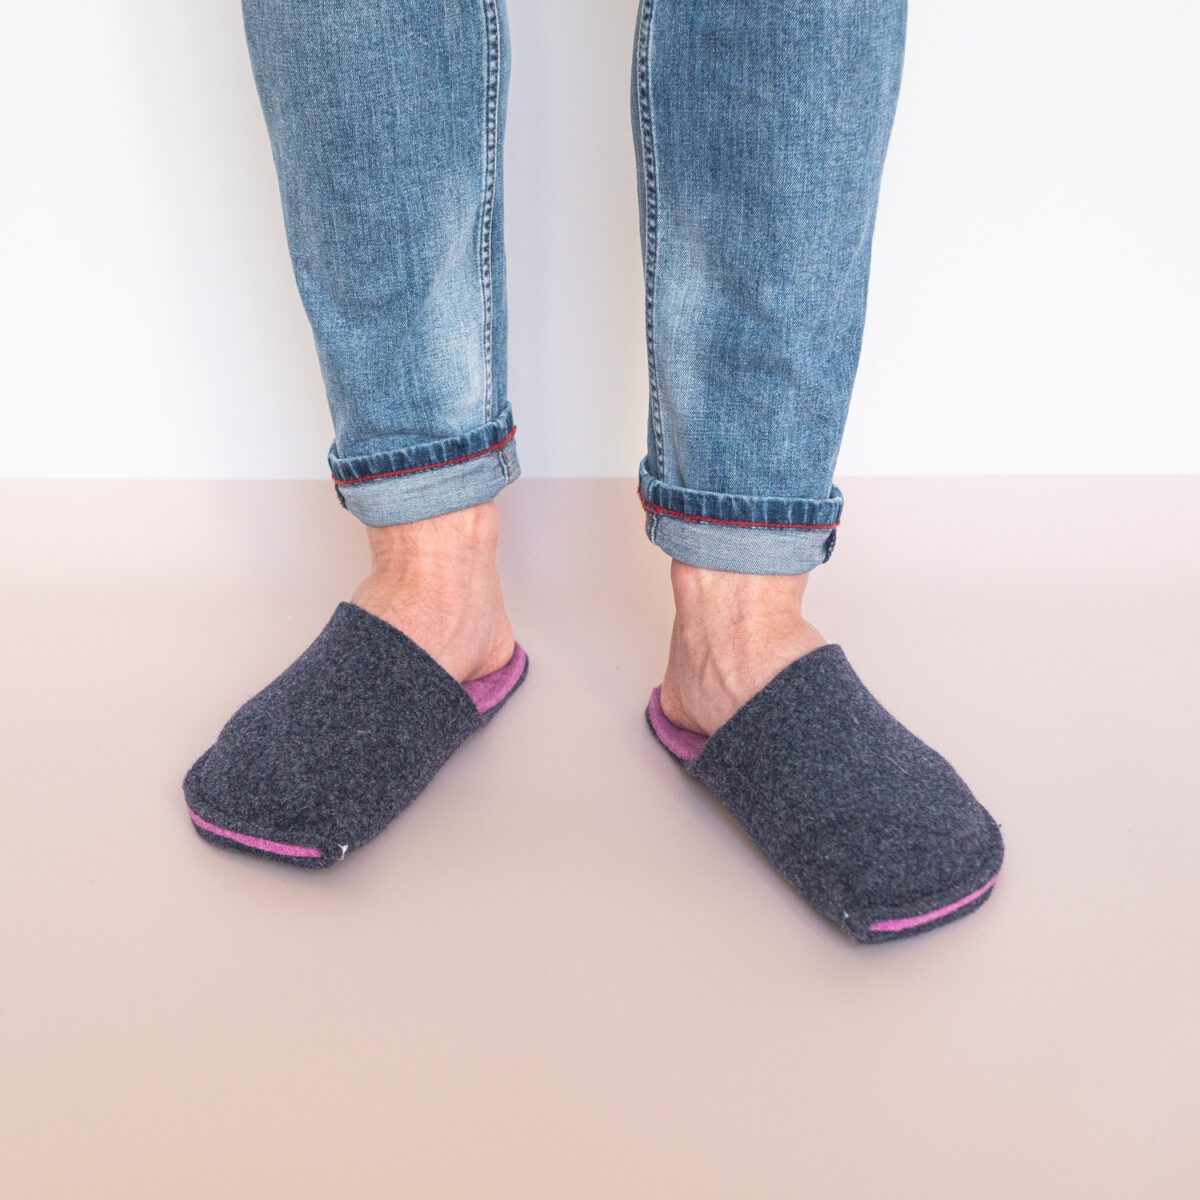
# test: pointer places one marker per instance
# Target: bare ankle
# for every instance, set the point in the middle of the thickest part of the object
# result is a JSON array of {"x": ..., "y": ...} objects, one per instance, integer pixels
[
  {"x": 705, "y": 597},
  {"x": 732, "y": 634},
  {"x": 445, "y": 542},
  {"x": 436, "y": 580}
]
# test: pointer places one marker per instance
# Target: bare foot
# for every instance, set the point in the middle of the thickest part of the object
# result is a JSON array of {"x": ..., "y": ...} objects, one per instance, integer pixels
[
  {"x": 733, "y": 634},
  {"x": 436, "y": 580}
]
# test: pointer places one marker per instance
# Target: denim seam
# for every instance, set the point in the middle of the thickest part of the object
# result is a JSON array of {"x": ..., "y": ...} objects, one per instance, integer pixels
[
  {"x": 450, "y": 462},
  {"x": 502, "y": 458},
  {"x": 657, "y": 510},
  {"x": 492, "y": 27},
  {"x": 650, "y": 225}
]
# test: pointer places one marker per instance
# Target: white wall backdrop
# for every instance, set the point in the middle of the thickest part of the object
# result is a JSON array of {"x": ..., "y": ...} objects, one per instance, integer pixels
[{"x": 1034, "y": 305}]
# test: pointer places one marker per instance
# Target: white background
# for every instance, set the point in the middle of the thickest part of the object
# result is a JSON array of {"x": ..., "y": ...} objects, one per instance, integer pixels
[{"x": 1033, "y": 306}]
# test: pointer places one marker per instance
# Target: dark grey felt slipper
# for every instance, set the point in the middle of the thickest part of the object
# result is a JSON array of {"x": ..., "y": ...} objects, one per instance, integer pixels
[
  {"x": 323, "y": 758},
  {"x": 872, "y": 827}
]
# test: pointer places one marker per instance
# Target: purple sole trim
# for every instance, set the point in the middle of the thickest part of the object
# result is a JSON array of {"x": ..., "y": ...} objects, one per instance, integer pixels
[
  {"x": 491, "y": 689},
  {"x": 683, "y": 743},
  {"x": 898, "y": 923},
  {"x": 256, "y": 843}
]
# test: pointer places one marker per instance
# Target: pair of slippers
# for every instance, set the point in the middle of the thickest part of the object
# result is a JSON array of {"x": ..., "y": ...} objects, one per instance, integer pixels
[{"x": 872, "y": 827}]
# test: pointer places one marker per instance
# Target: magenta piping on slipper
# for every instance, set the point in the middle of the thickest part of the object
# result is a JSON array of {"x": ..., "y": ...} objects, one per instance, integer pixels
[
  {"x": 899, "y": 923},
  {"x": 487, "y": 692},
  {"x": 257, "y": 843},
  {"x": 682, "y": 743}
]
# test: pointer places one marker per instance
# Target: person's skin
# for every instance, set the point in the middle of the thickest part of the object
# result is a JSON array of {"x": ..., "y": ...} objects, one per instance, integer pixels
[{"x": 437, "y": 581}]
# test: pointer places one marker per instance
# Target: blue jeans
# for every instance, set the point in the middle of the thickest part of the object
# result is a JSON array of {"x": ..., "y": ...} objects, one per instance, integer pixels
[{"x": 760, "y": 129}]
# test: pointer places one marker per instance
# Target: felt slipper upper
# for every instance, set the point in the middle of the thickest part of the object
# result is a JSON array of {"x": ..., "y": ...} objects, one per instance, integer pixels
[
  {"x": 325, "y": 756},
  {"x": 873, "y": 827}
]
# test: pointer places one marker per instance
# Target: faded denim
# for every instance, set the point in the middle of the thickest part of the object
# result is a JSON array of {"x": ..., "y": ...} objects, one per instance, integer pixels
[{"x": 760, "y": 131}]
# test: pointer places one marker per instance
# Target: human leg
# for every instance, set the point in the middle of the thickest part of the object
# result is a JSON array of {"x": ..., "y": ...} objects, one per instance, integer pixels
[
  {"x": 386, "y": 121},
  {"x": 761, "y": 135},
  {"x": 761, "y": 132}
]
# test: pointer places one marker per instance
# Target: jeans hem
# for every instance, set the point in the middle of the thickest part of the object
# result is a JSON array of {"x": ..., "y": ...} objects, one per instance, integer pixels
[
  {"x": 353, "y": 470},
  {"x": 418, "y": 482},
  {"x": 747, "y": 534}
]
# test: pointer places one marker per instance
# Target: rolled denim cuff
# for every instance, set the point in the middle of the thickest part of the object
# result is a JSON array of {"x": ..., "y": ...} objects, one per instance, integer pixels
[
  {"x": 429, "y": 478},
  {"x": 754, "y": 535}
]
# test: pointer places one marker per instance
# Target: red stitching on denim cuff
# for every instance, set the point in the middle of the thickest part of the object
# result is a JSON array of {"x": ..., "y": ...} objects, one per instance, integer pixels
[
  {"x": 670, "y": 512},
  {"x": 508, "y": 437}
]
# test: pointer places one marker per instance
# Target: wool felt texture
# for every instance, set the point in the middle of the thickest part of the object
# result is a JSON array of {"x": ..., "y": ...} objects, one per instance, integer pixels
[
  {"x": 871, "y": 826},
  {"x": 323, "y": 758}
]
